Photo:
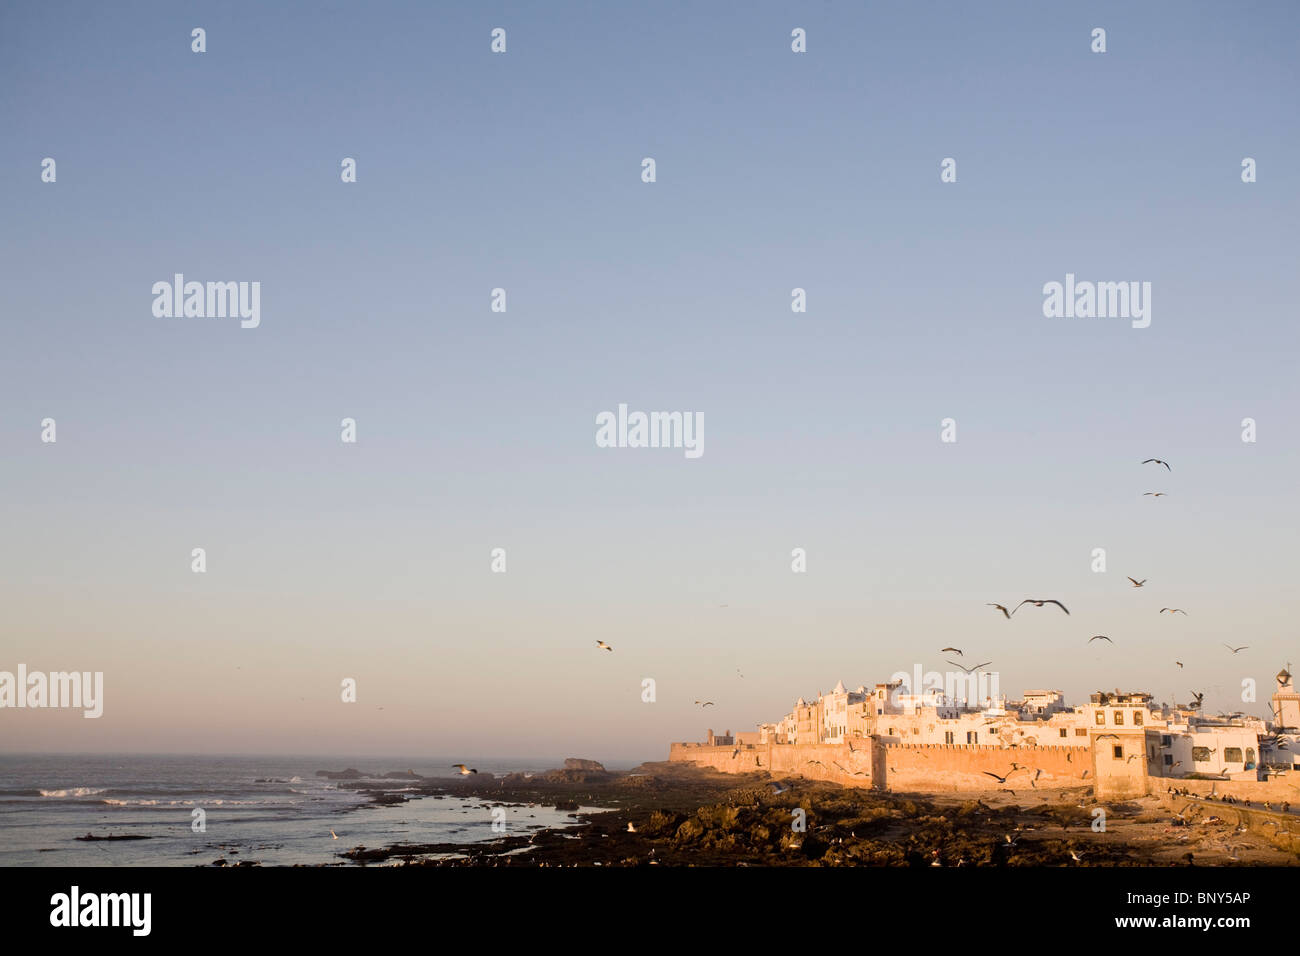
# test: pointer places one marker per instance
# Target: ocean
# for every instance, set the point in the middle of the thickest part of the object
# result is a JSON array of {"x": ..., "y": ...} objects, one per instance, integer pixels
[{"x": 274, "y": 810}]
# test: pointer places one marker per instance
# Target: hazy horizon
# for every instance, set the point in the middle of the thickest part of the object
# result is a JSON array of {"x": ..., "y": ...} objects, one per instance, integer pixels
[{"x": 476, "y": 429}]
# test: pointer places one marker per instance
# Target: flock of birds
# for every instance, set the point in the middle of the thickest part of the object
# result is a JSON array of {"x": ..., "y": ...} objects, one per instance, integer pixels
[
  {"x": 1042, "y": 602},
  {"x": 1009, "y": 612}
]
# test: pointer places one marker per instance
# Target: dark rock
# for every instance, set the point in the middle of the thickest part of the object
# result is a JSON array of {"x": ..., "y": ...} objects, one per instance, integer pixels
[
  {"x": 114, "y": 836},
  {"x": 577, "y": 763}
]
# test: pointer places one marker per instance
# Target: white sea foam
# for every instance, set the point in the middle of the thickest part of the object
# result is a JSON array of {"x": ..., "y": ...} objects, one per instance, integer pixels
[{"x": 74, "y": 792}]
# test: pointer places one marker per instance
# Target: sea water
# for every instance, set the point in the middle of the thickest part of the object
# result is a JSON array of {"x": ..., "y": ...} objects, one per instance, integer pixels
[{"x": 273, "y": 810}]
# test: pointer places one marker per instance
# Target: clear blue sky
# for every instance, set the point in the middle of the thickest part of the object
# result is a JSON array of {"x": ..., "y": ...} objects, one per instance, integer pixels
[{"x": 476, "y": 429}]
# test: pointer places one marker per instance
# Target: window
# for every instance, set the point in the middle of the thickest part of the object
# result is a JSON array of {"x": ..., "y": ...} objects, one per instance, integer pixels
[
  {"x": 1169, "y": 760},
  {"x": 1137, "y": 718},
  {"x": 1119, "y": 718},
  {"x": 1101, "y": 718},
  {"x": 1063, "y": 731},
  {"x": 972, "y": 737},
  {"x": 1232, "y": 754},
  {"x": 947, "y": 736},
  {"x": 1200, "y": 754},
  {"x": 1118, "y": 752},
  {"x": 1080, "y": 731},
  {"x": 1250, "y": 758},
  {"x": 1166, "y": 740},
  {"x": 993, "y": 730}
]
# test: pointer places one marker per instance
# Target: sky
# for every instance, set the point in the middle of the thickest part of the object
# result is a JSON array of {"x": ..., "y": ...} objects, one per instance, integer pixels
[{"x": 476, "y": 429}]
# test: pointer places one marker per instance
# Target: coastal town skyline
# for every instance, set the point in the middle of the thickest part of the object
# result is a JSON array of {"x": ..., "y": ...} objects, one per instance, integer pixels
[
  {"x": 453, "y": 245},
  {"x": 977, "y": 691}
]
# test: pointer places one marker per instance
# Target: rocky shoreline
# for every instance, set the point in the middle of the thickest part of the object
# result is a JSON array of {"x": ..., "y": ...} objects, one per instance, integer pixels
[{"x": 674, "y": 814}]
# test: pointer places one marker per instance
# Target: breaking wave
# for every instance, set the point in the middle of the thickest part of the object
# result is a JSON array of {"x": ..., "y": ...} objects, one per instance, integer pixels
[{"x": 74, "y": 792}]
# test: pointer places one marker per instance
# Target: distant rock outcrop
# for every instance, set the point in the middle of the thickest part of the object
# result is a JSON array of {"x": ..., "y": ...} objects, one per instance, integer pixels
[
  {"x": 577, "y": 763},
  {"x": 351, "y": 773},
  {"x": 575, "y": 775}
]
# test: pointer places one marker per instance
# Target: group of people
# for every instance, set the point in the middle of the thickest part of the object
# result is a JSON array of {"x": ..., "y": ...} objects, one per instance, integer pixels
[{"x": 1284, "y": 806}]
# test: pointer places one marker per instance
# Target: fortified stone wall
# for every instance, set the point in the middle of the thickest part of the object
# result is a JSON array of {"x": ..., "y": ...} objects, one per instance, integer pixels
[
  {"x": 1275, "y": 789},
  {"x": 905, "y": 767},
  {"x": 837, "y": 763},
  {"x": 940, "y": 767}
]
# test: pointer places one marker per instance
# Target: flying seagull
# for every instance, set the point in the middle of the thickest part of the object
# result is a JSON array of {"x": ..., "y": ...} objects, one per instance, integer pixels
[
  {"x": 1005, "y": 612},
  {"x": 967, "y": 669},
  {"x": 1154, "y": 494},
  {"x": 1199, "y": 698},
  {"x": 1158, "y": 462},
  {"x": 1236, "y": 649},
  {"x": 603, "y": 646},
  {"x": 707, "y": 703},
  {"x": 955, "y": 650},
  {"x": 1179, "y": 663},
  {"x": 1138, "y": 584},
  {"x": 1037, "y": 603},
  {"x": 462, "y": 769},
  {"x": 333, "y": 834},
  {"x": 1100, "y": 637},
  {"x": 1173, "y": 610},
  {"x": 989, "y": 773}
]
